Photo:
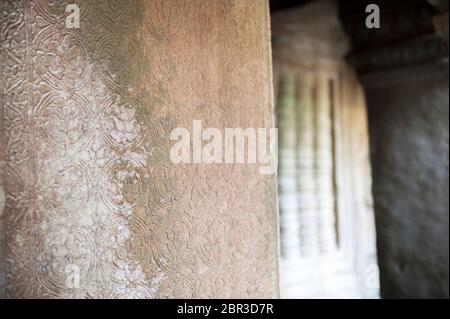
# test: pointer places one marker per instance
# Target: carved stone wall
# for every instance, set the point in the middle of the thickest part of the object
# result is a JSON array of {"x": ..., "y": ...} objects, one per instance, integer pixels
[{"x": 86, "y": 118}]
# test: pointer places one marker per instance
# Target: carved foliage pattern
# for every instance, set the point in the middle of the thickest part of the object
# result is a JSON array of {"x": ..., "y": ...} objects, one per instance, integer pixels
[{"x": 87, "y": 115}]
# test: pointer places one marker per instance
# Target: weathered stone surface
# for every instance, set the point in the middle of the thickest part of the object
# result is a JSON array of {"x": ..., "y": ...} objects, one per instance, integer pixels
[
  {"x": 2, "y": 232},
  {"x": 86, "y": 118},
  {"x": 409, "y": 131}
]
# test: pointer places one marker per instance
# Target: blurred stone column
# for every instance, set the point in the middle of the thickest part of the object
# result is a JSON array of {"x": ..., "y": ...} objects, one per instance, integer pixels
[
  {"x": 306, "y": 177},
  {"x": 333, "y": 212},
  {"x": 287, "y": 124},
  {"x": 324, "y": 165}
]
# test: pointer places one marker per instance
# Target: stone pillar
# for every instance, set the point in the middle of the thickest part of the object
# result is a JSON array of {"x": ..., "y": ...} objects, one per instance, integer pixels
[
  {"x": 309, "y": 226},
  {"x": 289, "y": 205},
  {"x": 324, "y": 166},
  {"x": 331, "y": 237},
  {"x": 403, "y": 67},
  {"x": 94, "y": 206},
  {"x": 2, "y": 232},
  {"x": 408, "y": 119}
]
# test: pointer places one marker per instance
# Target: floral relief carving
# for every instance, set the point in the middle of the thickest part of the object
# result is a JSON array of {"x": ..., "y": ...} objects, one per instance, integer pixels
[
  {"x": 124, "y": 16},
  {"x": 60, "y": 183},
  {"x": 120, "y": 125},
  {"x": 64, "y": 246},
  {"x": 64, "y": 119},
  {"x": 53, "y": 11},
  {"x": 62, "y": 59},
  {"x": 166, "y": 21},
  {"x": 115, "y": 54},
  {"x": 123, "y": 186},
  {"x": 87, "y": 116}
]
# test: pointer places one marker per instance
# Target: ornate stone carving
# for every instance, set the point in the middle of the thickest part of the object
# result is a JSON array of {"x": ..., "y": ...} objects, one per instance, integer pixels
[{"x": 86, "y": 118}]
